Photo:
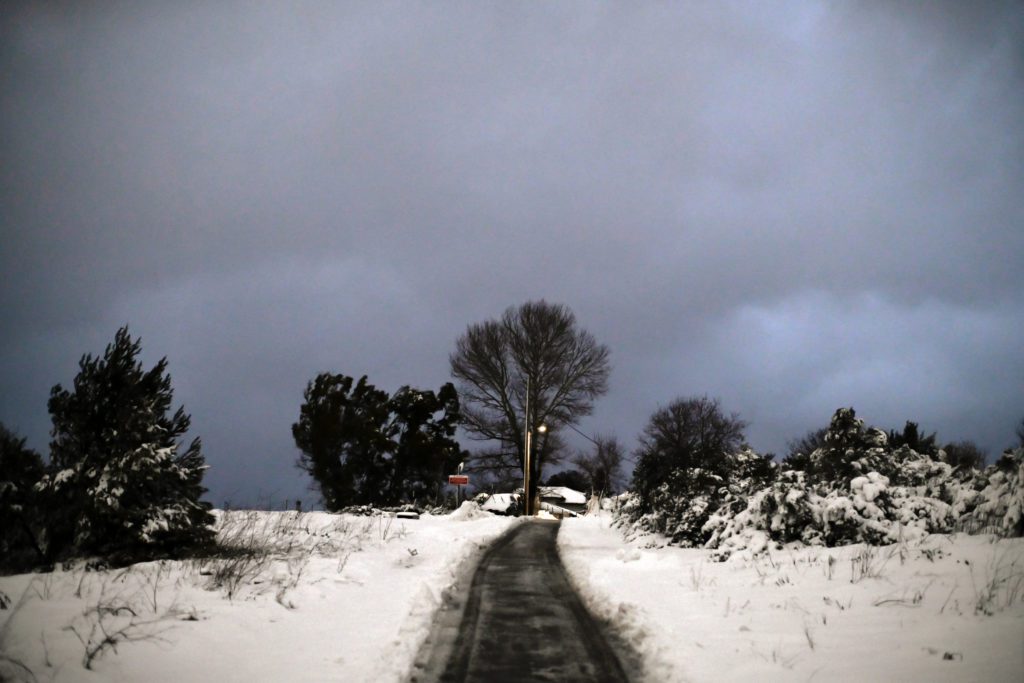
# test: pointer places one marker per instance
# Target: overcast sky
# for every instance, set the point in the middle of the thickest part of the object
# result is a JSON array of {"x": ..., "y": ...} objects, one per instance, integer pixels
[{"x": 789, "y": 206}]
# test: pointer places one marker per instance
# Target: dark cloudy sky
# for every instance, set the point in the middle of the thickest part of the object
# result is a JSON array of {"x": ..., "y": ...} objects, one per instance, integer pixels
[{"x": 790, "y": 206}]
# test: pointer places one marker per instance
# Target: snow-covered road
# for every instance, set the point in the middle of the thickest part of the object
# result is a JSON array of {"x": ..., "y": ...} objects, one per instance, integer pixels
[{"x": 523, "y": 621}]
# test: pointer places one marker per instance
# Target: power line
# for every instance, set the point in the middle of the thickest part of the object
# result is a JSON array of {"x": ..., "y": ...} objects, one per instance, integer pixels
[{"x": 582, "y": 434}]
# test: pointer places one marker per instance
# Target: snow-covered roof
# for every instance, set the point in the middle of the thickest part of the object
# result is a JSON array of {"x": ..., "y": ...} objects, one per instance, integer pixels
[{"x": 567, "y": 494}]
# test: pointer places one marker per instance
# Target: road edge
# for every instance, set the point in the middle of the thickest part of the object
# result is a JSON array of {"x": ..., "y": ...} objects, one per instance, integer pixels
[{"x": 620, "y": 633}]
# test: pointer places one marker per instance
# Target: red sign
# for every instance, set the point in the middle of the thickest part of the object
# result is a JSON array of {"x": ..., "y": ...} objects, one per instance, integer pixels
[{"x": 458, "y": 479}]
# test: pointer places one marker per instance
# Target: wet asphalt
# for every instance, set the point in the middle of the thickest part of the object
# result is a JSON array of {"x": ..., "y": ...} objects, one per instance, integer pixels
[{"x": 519, "y": 621}]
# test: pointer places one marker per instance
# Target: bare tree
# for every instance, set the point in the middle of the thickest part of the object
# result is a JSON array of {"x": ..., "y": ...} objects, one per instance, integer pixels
[
  {"x": 602, "y": 465},
  {"x": 687, "y": 462},
  {"x": 534, "y": 355},
  {"x": 687, "y": 436},
  {"x": 799, "y": 450}
]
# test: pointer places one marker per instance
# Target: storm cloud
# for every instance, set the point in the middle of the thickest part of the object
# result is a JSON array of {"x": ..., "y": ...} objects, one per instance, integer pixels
[{"x": 793, "y": 207}]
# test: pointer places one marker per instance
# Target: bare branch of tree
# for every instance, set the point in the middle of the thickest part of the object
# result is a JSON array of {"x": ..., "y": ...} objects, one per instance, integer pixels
[{"x": 602, "y": 465}]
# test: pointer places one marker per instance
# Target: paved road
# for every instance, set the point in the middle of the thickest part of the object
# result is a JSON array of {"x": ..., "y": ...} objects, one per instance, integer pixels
[{"x": 521, "y": 621}]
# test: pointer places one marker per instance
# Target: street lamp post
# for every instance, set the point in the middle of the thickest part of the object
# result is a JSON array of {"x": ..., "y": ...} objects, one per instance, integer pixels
[
  {"x": 526, "y": 451},
  {"x": 540, "y": 428},
  {"x": 528, "y": 443}
]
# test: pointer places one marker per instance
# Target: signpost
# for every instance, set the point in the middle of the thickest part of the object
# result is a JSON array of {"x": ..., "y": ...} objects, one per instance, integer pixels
[{"x": 458, "y": 481}]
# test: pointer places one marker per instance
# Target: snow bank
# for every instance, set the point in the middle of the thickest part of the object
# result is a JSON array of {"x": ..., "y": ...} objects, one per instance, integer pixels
[
  {"x": 336, "y": 598},
  {"x": 467, "y": 511},
  {"x": 942, "y": 608}
]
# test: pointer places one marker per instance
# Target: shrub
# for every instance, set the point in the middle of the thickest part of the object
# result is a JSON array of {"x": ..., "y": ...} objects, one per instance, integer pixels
[
  {"x": 966, "y": 455},
  {"x": 999, "y": 506},
  {"x": 691, "y": 463},
  {"x": 858, "y": 486}
]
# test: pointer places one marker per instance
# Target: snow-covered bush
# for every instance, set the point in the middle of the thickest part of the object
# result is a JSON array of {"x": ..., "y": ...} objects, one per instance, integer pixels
[
  {"x": 868, "y": 511},
  {"x": 999, "y": 506},
  {"x": 683, "y": 507},
  {"x": 850, "y": 451},
  {"x": 857, "y": 487},
  {"x": 691, "y": 462},
  {"x": 782, "y": 512},
  {"x": 120, "y": 484},
  {"x": 469, "y": 510}
]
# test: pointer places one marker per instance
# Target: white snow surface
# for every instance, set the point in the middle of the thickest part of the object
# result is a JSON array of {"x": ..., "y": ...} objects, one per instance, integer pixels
[
  {"x": 346, "y": 598},
  {"x": 349, "y": 598},
  {"x": 468, "y": 511},
  {"x": 938, "y": 608}
]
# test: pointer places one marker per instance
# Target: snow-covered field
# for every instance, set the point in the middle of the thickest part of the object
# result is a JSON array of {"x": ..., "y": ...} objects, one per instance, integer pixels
[
  {"x": 945, "y": 608},
  {"x": 335, "y": 598},
  {"x": 349, "y": 598}
]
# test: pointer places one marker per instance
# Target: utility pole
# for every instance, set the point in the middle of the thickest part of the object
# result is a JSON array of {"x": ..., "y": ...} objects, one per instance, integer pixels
[
  {"x": 528, "y": 445},
  {"x": 526, "y": 451}
]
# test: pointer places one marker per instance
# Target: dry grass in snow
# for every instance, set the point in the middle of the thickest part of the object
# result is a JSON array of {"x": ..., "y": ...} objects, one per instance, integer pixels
[
  {"x": 292, "y": 596},
  {"x": 944, "y": 608}
]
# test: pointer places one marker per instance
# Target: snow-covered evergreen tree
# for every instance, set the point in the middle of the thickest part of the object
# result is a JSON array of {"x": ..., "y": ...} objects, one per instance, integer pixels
[
  {"x": 120, "y": 482},
  {"x": 20, "y": 469}
]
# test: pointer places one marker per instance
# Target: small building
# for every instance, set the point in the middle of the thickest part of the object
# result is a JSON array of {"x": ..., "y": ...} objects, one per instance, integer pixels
[{"x": 562, "y": 499}]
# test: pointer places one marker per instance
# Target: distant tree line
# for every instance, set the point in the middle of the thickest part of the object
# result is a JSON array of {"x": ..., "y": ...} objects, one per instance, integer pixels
[
  {"x": 535, "y": 366},
  {"x": 121, "y": 482},
  {"x": 597, "y": 470}
]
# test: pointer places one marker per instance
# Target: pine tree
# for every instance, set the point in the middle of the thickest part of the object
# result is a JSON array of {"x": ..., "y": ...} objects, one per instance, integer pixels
[
  {"x": 364, "y": 448},
  {"x": 339, "y": 434},
  {"x": 20, "y": 469},
  {"x": 119, "y": 480},
  {"x": 421, "y": 435},
  {"x": 912, "y": 437},
  {"x": 845, "y": 442}
]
